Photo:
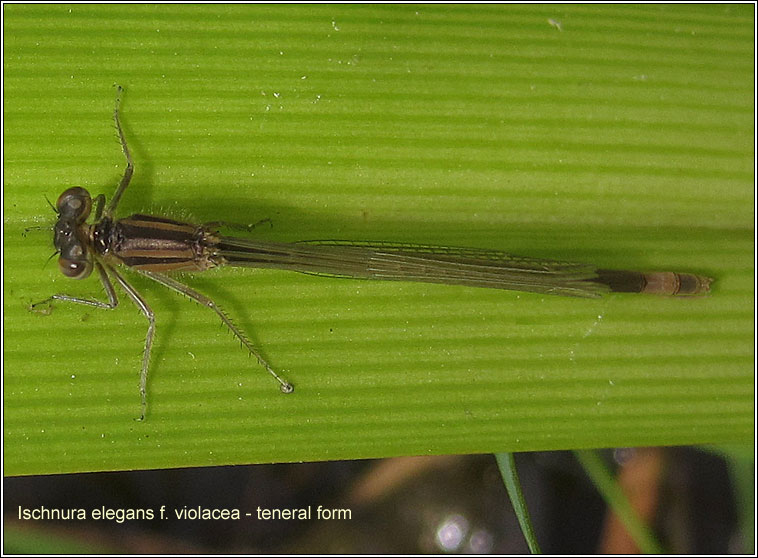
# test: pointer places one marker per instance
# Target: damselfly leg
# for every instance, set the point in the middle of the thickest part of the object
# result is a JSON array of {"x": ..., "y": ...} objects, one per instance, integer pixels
[{"x": 161, "y": 243}]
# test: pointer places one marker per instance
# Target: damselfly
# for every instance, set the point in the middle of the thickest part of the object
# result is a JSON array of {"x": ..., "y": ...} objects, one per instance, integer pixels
[{"x": 154, "y": 245}]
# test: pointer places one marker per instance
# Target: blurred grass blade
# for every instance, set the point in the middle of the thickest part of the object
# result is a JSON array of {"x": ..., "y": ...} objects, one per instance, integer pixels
[
  {"x": 507, "y": 466},
  {"x": 740, "y": 460},
  {"x": 37, "y": 541},
  {"x": 742, "y": 472},
  {"x": 617, "y": 501}
]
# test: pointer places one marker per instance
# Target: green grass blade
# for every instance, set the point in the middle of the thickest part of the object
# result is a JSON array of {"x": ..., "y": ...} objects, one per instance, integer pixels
[
  {"x": 616, "y": 500},
  {"x": 623, "y": 138},
  {"x": 33, "y": 541},
  {"x": 507, "y": 466}
]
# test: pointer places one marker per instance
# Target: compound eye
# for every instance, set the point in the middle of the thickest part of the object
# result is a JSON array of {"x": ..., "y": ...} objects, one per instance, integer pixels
[
  {"x": 75, "y": 269},
  {"x": 75, "y": 203}
]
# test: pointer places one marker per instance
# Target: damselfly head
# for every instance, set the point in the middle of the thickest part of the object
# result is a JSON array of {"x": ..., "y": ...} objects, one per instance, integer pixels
[{"x": 70, "y": 237}]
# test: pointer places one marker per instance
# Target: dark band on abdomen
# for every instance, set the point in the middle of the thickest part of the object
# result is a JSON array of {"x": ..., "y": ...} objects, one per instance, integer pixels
[{"x": 666, "y": 283}]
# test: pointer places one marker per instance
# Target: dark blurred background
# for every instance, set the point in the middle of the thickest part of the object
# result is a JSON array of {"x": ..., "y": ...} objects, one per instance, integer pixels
[{"x": 435, "y": 504}]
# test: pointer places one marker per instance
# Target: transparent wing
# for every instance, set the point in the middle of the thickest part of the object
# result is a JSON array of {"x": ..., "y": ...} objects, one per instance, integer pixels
[{"x": 414, "y": 262}]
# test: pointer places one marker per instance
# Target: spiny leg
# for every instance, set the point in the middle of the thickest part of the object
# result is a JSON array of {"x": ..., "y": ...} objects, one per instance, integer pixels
[
  {"x": 181, "y": 288},
  {"x": 148, "y": 313},
  {"x": 109, "y": 290},
  {"x": 129, "y": 164},
  {"x": 110, "y": 305}
]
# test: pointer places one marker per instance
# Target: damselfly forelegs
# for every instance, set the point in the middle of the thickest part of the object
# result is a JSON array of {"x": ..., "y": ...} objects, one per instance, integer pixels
[{"x": 149, "y": 245}]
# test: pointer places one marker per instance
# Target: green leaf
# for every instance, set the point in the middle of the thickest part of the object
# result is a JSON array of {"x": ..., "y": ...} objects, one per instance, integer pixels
[{"x": 617, "y": 135}]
